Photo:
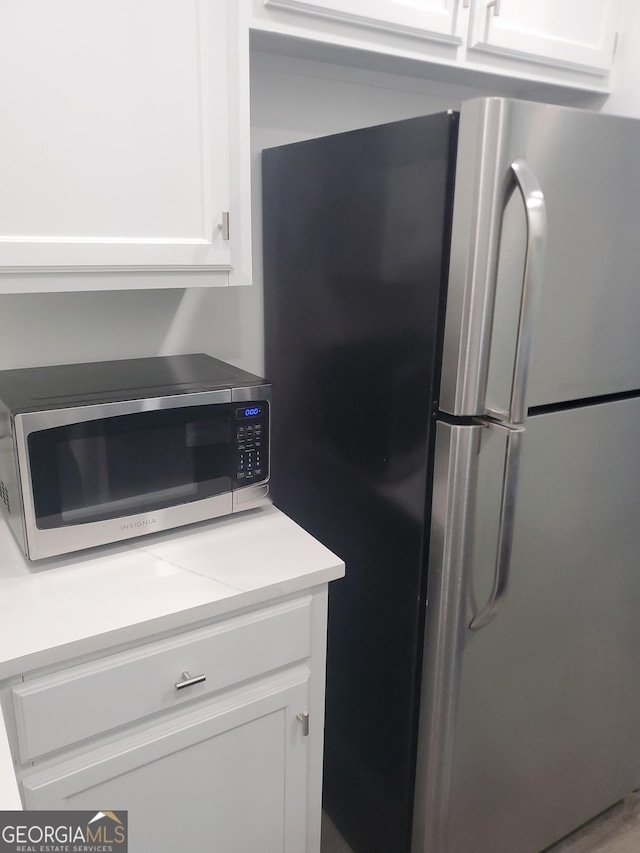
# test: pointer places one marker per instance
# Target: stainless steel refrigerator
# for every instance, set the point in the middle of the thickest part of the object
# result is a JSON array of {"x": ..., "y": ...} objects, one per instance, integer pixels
[{"x": 452, "y": 309}]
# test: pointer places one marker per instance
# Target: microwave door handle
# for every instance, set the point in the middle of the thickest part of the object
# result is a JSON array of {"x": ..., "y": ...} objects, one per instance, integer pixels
[
  {"x": 536, "y": 217},
  {"x": 506, "y": 526}
]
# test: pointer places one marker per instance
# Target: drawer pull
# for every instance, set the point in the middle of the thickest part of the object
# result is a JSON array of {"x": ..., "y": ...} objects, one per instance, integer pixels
[{"x": 188, "y": 681}]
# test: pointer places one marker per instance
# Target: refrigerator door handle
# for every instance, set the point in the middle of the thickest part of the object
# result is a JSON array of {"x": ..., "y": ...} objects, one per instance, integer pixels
[
  {"x": 510, "y": 472},
  {"x": 536, "y": 217}
]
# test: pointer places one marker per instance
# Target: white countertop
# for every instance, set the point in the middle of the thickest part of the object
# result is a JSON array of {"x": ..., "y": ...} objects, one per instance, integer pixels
[{"x": 53, "y": 610}]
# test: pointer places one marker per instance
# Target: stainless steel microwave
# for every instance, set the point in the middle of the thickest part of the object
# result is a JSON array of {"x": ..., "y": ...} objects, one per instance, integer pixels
[{"x": 101, "y": 452}]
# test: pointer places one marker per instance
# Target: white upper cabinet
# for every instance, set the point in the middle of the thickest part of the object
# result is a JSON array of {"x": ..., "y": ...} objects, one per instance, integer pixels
[
  {"x": 555, "y": 32},
  {"x": 560, "y": 42},
  {"x": 434, "y": 19},
  {"x": 124, "y": 138}
]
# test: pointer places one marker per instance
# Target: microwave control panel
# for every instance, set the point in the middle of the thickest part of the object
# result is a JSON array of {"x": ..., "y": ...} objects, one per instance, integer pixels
[{"x": 252, "y": 443}]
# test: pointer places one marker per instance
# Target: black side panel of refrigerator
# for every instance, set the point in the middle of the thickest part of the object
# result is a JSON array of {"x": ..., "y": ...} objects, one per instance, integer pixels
[{"x": 356, "y": 240}]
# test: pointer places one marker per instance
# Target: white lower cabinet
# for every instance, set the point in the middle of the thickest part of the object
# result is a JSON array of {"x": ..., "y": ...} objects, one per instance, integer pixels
[
  {"x": 231, "y": 761},
  {"x": 229, "y": 776}
]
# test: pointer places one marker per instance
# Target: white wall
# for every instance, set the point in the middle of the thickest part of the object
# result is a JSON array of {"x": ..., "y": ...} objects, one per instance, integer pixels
[{"x": 50, "y": 328}]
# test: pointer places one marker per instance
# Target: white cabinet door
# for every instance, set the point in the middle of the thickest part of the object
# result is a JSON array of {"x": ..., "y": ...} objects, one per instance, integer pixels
[
  {"x": 229, "y": 776},
  {"x": 555, "y": 32},
  {"x": 115, "y": 148},
  {"x": 432, "y": 19}
]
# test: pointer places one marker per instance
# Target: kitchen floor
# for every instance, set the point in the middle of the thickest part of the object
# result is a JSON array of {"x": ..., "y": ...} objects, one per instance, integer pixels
[{"x": 615, "y": 831}]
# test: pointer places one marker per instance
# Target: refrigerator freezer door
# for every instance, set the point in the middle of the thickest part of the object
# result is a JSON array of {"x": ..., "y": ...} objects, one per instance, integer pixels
[
  {"x": 586, "y": 330},
  {"x": 545, "y": 700}
]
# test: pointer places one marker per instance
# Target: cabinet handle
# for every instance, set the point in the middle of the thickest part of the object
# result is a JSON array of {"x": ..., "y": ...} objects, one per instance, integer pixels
[
  {"x": 465, "y": 4},
  {"x": 496, "y": 7},
  {"x": 188, "y": 681},
  {"x": 303, "y": 717},
  {"x": 224, "y": 225}
]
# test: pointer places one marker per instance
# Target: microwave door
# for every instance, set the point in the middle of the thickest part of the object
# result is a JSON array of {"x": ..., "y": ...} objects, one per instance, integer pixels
[{"x": 122, "y": 472}]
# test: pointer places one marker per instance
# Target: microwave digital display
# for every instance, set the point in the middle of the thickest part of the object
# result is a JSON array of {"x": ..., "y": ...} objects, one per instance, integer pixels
[{"x": 252, "y": 411}]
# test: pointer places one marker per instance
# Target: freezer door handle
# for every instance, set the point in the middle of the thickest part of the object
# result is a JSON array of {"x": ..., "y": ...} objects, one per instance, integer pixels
[
  {"x": 486, "y": 614},
  {"x": 536, "y": 217}
]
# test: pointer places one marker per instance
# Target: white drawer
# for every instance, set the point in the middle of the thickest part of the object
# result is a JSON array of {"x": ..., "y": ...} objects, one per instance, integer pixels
[{"x": 54, "y": 711}]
